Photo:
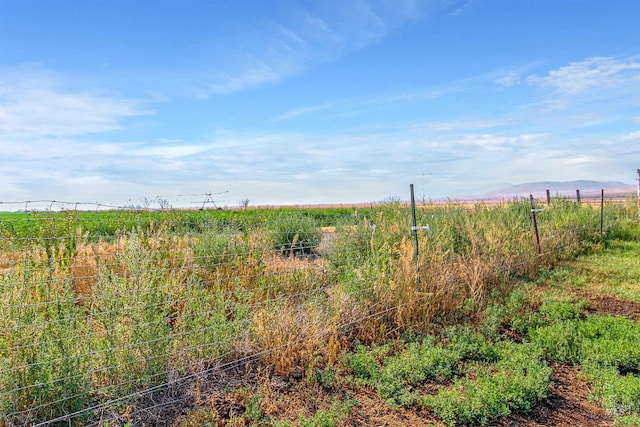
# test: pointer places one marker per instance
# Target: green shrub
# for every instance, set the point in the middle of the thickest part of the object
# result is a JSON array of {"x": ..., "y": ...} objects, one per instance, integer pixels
[
  {"x": 619, "y": 394},
  {"x": 559, "y": 341},
  {"x": 364, "y": 363},
  {"x": 202, "y": 330},
  {"x": 626, "y": 229},
  {"x": 514, "y": 384},
  {"x": 418, "y": 362},
  {"x": 294, "y": 234},
  {"x": 351, "y": 244},
  {"x": 220, "y": 245},
  {"x": 331, "y": 418},
  {"x": 515, "y": 313},
  {"x": 131, "y": 311},
  {"x": 607, "y": 349},
  {"x": 612, "y": 341},
  {"x": 562, "y": 311},
  {"x": 466, "y": 344},
  {"x": 611, "y": 362},
  {"x": 627, "y": 421},
  {"x": 44, "y": 366}
]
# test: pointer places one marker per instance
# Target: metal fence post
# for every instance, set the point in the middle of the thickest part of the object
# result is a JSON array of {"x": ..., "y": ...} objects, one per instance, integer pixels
[
  {"x": 414, "y": 230},
  {"x": 638, "y": 170},
  {"x": 601, "y": 210},
  {"x": 535, "y": 222}
]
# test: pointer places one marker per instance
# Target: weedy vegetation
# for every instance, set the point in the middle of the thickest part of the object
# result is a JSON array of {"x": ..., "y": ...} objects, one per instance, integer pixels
[{"x": 100, "y": 307}]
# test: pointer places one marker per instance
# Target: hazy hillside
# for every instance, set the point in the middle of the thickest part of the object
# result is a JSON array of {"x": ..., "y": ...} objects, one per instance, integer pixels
[{"x": 565, "y": 188}]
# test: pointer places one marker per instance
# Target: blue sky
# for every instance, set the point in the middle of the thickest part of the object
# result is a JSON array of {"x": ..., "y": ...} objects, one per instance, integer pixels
[{"x": 311, "y": 101}]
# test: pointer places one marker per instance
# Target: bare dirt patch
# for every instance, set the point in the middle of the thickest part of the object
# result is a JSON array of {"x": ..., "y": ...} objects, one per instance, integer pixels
[{"x": 607, "y": 304}]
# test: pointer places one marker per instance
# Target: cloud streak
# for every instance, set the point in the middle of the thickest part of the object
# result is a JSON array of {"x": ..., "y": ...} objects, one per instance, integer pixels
[
  {"x": 591, "y": 73},
  {"x": 608, "y": 78},
  {"x": 304, "y": 111},
  {"x": 33, "y": 105},
  {"x": 312, "y": 33}
]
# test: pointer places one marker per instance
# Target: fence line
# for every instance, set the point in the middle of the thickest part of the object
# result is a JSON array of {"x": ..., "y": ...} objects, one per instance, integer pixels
[
  {"x": 256, "y": 356},
  {"x": 169, "y": 294}
]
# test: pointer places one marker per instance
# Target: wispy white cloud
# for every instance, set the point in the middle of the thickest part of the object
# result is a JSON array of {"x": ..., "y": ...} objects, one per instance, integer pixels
[
  {"x": 460, "y": 8},
  {"x": 303, "y": 111},
  {"x": 247, "y": 71},
  {"x": 524, "y": 142},
  {"x": 512, "y": 76},
  {"x": 353, "y": 107},
  {"x": 33, "y": 105},
  {"x": 578, "y": 160},
  {"x": 609, "y": 76},
  {"x": 169, "y": 151},
  {"x": 461, "y": 125},
  {"x": 595, "y": 72},
  {"x": 310, "y": 34},
  {"x": 633, "y": 136},
  {"x": 492, "y": 142},
  {"x": 511, "y": 79}
]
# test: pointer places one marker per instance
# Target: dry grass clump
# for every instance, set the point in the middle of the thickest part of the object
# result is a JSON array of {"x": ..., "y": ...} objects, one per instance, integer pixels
[
  {"x": 290, "y": 337},
  {"x": 468, "y": 255},
  {"x": 85, "y": 267}
]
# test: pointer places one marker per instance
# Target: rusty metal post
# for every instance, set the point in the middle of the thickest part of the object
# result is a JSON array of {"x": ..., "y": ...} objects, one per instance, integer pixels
[
  {"x": 578, "y": 195},
  {"x": 535, "y": 222}
]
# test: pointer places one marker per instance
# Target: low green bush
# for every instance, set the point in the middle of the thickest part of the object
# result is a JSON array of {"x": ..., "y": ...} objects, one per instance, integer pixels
[
  {"x": 489, "y": 380},
  {"x": 515, "y": 313},
  {"x": 626, "y": 229},
  {"x": 330, "y": 418},
  {"x": 220, "y": 245},
  {"x": 294, "y": 233},
  {"x": 627, "y": 421},
  {"x": 518, "y": 380},
  {"x": 605, "y": 347},
  {"x": 555, "y": 311},
  {"x": 417, "y": 363},
  {"x": 44, "y": 373},
  {"x": 362, "y": 363},
  {"x": 466, "y": 344},
  {"x": 559, "y": 341}
]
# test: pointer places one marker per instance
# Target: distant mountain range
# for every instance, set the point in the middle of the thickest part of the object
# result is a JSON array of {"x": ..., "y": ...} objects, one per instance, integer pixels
[{"x": 565, "y": 188}]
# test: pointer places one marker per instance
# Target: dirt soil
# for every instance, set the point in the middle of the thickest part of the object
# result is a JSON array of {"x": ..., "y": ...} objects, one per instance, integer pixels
[{"x": 608, "y": 304}]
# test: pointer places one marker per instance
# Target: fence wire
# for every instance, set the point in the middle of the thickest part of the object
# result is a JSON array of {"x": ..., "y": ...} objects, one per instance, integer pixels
[{"x": 105, "y": 311}]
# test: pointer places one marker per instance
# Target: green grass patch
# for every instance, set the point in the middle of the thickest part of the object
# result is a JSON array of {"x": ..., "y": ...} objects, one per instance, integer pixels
[
  {"x": 614, "y": 270},
  {"x": 607, "y": 352},
  {"x": 488, "y": 380},
  {"x": 514, "y": 383}
]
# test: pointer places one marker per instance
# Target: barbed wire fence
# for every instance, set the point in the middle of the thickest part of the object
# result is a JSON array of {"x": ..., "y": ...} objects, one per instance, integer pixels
[{"x": 113, "y": 315}]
